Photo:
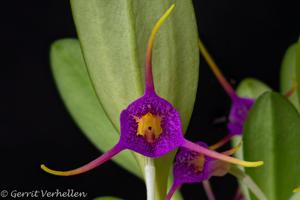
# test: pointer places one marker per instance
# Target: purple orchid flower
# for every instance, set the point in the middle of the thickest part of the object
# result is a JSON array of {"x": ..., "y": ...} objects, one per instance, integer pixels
[
  {"x": 151, "y": 126},
  {"x": 192, "y": 167},
  {"x": 240, "y": 106}
]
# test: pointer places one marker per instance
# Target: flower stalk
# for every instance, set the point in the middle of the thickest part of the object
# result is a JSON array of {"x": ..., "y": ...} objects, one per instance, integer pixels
[
  {"x": 247, "y": 180},
  {"x": 149, "y": 171},
  {"x": 208, "y": 190}
]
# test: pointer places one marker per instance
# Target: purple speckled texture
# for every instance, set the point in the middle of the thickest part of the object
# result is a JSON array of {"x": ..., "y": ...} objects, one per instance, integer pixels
[
  {"x": 184, "y": 172},
  {"x": 171, "y": 136},
  {"x": 238, "y": 114}
]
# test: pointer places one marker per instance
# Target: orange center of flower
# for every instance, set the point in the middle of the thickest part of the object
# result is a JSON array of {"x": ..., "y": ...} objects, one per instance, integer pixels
[
  {"x": 149, "y": 126},
  {"x": 197, "y": 163}
]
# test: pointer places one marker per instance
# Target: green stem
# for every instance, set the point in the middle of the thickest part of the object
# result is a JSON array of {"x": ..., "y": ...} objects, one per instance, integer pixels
[{"x": 247, "y": 180}]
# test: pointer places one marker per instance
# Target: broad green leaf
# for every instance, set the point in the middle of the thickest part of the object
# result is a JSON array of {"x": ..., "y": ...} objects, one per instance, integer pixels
[
  {"x": 288, "y": 74},
  {"x": 107, "y": 198},
  {"x": 272, "y": 135},
  {"x": 113, "y": 35},
  {"x": 75, "y": 87},
  {"x": 251, "y": 88}
]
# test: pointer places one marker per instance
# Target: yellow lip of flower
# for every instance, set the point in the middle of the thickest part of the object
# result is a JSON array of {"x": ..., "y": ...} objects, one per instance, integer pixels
[
  {"x": 149, "y": 126},
  {"x": 197, "y": 163}
]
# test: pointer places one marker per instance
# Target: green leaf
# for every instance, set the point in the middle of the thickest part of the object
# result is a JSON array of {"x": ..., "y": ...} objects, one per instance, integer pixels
[
  {"x": 75, "y": 87},
  {"x": 272, "y": 135},
  {"x": 107, "y": 198},
  {"x": 251, "y": 88},
  {"x": 113, "y": 35},
  {"x": 289, "y": 73}
]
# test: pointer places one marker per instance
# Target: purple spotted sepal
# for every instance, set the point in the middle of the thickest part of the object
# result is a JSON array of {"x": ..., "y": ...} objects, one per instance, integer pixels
[
  {"x": 193, "y": 167},
  {"x": 151, "y": 144}
]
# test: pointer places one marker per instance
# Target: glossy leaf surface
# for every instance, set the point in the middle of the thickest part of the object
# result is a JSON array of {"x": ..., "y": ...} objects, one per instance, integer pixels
[{"x": 272, "y": 135}]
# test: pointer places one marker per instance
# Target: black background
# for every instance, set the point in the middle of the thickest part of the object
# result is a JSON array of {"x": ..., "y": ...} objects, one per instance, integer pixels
[{"x": 247, "y": 38}]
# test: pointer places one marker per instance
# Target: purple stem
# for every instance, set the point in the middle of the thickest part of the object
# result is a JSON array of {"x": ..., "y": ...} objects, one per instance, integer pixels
[
  {"x": 208, "y": 190},
  {"x": 149, "y": 85},
  {"x": 173, "y": 189}
]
